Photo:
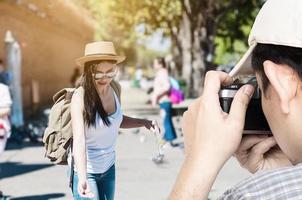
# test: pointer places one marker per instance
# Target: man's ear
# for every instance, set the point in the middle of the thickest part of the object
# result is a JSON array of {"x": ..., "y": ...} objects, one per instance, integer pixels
[{"x": 284, "y": 81}]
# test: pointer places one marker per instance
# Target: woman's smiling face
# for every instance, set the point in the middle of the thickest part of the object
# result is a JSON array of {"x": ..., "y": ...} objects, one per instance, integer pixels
[{"x": 103, "y": 73}]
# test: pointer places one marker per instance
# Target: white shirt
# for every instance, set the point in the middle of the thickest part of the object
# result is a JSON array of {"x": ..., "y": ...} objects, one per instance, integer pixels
[
  {"x": 5, "y": 102},
  {"x": 101, "y": 141},
  {"x": 161, "y": 85}
]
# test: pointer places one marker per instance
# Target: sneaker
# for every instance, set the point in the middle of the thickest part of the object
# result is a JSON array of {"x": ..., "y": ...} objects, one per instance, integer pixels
[
  {"x": 158, "y": 159},
  {"x": 174, "y": 144}
]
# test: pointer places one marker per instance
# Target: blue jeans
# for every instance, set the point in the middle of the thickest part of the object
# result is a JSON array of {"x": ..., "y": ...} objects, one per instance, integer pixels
[
  {"x": 170, "y": 133},
  {"x": 101, "y": 185}
]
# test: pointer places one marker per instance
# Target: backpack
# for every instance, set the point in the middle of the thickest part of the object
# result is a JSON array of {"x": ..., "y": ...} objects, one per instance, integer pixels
[
  {"x": 57, "y": 136},
  {"x": 176, "y": 95}
]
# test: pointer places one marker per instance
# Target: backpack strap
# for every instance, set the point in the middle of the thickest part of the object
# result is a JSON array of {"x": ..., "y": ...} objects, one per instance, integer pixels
[
  {"x": 117, "y": 89},
  {"x": 71, "y": 167},
  {"x": 65, "y": 93}
]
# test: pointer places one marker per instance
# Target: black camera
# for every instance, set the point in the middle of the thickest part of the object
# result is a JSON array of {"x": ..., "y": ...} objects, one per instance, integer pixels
[{"x": 255, "y": 121}]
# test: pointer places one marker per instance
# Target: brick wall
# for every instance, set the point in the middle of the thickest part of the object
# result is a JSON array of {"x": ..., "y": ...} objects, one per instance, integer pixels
[{"x": 52, "y": 33}]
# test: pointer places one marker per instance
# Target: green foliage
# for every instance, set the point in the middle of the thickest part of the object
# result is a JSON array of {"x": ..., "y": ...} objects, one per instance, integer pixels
[
  {"x": 117, "y": 20},
  {"x": 233, "y": 28}
]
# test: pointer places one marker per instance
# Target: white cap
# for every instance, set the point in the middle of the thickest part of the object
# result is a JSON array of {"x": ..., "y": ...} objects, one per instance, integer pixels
[
  {"x": 278, "y": 22},
  {"x": 9, "y": 37}
]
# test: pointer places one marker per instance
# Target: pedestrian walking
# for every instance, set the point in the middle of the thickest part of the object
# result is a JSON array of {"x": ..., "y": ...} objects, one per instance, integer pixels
[{"x": 161, "y": 91}]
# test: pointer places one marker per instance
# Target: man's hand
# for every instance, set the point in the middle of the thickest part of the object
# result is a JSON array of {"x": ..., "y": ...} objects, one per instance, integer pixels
[
  {"x": 209, "y": 130},
  {"x": 258, "y": 152},
  {"x": 211, "y": 136}
]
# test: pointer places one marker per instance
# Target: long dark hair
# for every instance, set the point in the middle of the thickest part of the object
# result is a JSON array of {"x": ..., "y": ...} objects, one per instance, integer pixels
[
  {"x": 161, "y": 61},
  {"x": 92, "y": 101}
]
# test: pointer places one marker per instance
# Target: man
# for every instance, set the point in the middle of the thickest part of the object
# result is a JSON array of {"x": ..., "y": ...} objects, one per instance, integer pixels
[{"x": 212, "y": 136}]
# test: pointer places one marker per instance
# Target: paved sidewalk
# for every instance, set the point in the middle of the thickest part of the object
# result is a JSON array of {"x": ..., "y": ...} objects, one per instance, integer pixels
[{"x": 25, "y": 173}]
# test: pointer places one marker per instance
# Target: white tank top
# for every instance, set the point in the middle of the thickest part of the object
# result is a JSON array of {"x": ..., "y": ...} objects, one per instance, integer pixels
[{"x": 101, "y": 141}]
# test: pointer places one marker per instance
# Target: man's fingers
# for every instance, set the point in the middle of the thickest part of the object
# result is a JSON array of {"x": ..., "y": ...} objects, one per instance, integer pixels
[
  {"x": 263, "y": 147},
  {"x": 194, "y": 107},
  {"x": 213, "y": 81},
  {"x": 188, "y": 129},
  {"x": 240, "y": 103},
  {"x": 249, "y": 141}
]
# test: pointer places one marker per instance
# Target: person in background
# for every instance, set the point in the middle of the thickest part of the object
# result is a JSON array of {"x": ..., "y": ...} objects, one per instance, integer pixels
[
  {"x": 4, "y": 74},
  {"x": 5, "y": 109},
  {"x": 75, "y": 77},
  {"x": 160, "y": 95}
]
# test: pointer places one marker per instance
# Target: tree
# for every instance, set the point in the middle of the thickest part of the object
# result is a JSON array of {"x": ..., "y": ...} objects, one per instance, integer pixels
[
  {"x": 202, "y": 22},
  {"x": 192, "y": 26},
  {"x": 106, "y": 16}
]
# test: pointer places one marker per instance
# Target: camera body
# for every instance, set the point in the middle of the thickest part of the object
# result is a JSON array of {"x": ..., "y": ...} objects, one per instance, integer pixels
[{"x": 255, "y": 121}]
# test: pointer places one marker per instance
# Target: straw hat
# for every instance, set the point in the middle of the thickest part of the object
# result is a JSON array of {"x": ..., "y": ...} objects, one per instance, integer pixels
[{"x": 102, "y": 50}]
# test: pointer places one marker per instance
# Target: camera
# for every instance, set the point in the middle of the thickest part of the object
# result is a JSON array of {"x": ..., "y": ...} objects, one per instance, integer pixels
[{"x": 255, "y": 121}]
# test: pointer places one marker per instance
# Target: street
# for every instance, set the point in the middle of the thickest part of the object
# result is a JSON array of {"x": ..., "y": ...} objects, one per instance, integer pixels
[{"x": 25, "y": 173}]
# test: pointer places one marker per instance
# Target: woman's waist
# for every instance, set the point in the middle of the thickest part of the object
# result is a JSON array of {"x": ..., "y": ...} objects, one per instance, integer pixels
[
  {"x": 164, "y": 98},
  {"x": 97, "y": 151}
]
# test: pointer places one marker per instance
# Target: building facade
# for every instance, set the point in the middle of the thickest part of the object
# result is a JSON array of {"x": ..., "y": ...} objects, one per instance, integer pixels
[{"x": 51, "y": 34}]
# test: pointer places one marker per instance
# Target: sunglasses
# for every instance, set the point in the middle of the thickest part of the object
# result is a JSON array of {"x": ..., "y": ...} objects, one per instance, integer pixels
[{"x": 101, "y": 75}]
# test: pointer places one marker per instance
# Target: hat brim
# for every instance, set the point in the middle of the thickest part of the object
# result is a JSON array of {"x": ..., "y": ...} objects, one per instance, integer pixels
[
  {"x": 81, "y": 61},
  {"x": 244, "y": 66}
]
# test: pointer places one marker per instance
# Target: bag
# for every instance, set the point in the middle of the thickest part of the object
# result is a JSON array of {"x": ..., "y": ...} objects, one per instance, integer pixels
[
  {"x": 57, "y": 137},
  {"x": 176, "y": 95}
]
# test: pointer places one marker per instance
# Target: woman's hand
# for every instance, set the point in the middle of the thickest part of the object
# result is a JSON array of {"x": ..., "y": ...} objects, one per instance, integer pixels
[
  {"x": 152, "y": 126},
  {"x": 260, "y": 153},
  {"x": 148, "y": 124},
  {"x": 84, "y": 189}
]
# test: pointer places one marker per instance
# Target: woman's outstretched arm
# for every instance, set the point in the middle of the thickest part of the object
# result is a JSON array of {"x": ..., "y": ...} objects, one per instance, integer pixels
[{"x": 130, "y": 122}]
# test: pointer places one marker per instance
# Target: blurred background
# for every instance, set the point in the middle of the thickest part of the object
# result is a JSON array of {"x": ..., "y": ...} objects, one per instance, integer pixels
[{"x": 39, "y": 41}]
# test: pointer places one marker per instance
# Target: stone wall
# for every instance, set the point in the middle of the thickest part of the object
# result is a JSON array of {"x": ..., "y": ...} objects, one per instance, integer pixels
[{"x": 52, "y": 33}]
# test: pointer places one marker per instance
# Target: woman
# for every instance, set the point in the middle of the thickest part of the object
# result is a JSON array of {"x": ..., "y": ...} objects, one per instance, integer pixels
[
  {"x": 161, "y": 96},
  {"x": 96, "y": 118}
]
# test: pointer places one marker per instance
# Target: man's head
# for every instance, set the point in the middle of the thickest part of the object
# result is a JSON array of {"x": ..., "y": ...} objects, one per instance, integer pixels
[
  {"x": 275, "y": 54},
  {"x": 279, "y": 74}
]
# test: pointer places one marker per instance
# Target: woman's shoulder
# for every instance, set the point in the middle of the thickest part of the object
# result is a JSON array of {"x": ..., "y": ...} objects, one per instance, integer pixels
[
  {"x": 163, "y": 72},
  {"x": 78, "y": 94},
  {"x": 79, "y": 91}
]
